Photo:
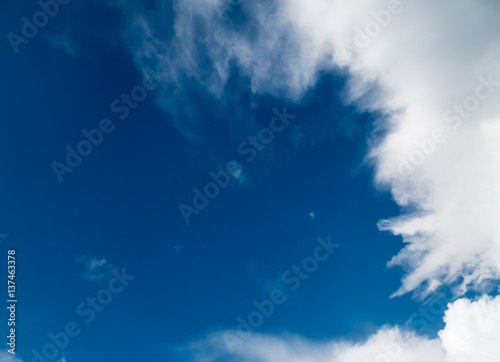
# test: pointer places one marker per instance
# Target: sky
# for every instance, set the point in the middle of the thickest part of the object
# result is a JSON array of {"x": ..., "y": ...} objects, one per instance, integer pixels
[{"x": 265, "y": 180}]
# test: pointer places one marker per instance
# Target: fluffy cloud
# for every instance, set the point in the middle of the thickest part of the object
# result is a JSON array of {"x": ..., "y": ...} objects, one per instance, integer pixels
[
  {"x": 471, "y": 334},
  {"x": 437, "y": 88},
  {"x": 472, "y": 330}
]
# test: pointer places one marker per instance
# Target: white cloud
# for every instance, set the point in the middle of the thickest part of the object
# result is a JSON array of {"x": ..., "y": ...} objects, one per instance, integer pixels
[
  {"x": 471, "y": 334},
  {"x": 473, "y": 330},
  {"x": 429, "y": 57}
]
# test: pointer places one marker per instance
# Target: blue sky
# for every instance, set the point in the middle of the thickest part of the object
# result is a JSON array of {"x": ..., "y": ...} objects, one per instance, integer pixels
[{"x": 224, "y": 73}]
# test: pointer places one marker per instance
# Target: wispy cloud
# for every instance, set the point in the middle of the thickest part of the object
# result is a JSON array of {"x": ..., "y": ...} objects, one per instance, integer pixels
[
  {"x": 95, "y": 268},
  {"x": 63, "y": 42}
]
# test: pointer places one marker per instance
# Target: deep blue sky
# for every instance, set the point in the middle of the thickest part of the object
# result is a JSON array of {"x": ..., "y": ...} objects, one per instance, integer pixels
[{"x": 121, "y": 203}]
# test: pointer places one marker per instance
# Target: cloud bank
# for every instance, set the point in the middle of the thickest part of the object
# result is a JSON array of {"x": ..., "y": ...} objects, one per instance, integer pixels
[{"x": 471, "y": 334}]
